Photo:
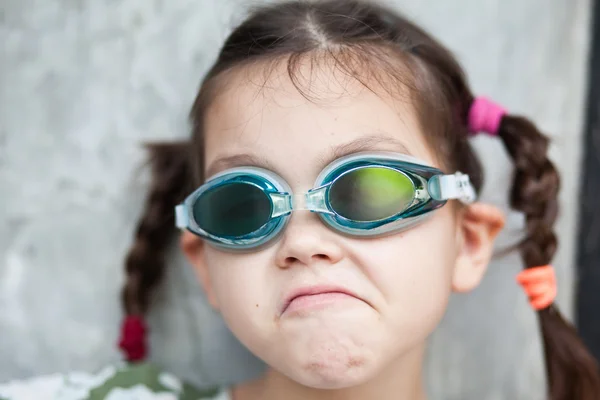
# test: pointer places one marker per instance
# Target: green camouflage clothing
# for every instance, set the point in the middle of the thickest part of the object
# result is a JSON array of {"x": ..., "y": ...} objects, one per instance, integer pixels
[{"x": 124, "y": 382}]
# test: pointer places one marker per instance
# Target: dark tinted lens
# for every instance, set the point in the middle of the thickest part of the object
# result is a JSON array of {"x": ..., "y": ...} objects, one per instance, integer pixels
[
  {"x": 371, "y": 194},
  {"x": 234, "y": 209}
]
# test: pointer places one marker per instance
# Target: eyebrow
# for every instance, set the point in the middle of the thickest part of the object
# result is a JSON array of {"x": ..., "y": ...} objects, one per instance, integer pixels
[
  {"x": 376, "y": 142},
  {"x": 237, "y": 160}
]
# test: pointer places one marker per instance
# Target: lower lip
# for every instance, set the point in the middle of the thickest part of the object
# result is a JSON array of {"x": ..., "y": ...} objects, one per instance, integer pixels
[{"x": 317, "y": 301}]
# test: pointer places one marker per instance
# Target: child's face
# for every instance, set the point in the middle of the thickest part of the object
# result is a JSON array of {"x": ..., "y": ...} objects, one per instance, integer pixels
[{"x": 400, "y": 283}]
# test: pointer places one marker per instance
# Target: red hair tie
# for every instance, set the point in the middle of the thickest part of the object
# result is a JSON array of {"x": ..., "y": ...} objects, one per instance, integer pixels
[
  {"x": 485, "y": 116},
  {"x": 539, "y": 284},
  {"x": 133, "y": 338}
]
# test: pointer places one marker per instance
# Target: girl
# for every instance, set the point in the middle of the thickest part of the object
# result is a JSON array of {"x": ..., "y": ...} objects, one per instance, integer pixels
[{"x": 348, "y": 110}]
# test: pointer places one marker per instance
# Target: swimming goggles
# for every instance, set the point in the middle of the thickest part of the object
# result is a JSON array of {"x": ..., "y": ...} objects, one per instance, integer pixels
[{"x": 364, "y": 195}]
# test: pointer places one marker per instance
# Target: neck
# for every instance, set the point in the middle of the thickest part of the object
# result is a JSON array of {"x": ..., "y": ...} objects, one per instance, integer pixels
[{"x": 400, "y": 380}]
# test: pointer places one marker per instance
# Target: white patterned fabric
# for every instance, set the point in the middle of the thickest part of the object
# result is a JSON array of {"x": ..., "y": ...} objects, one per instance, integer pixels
[{"x": 123, "y": 382}]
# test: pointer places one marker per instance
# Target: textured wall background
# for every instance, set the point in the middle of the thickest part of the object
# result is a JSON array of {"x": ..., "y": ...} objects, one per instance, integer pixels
[{"x": 83, "y": 82}]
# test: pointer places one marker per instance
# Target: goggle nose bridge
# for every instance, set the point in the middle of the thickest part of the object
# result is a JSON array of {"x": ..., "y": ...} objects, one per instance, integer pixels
[{"x": 314, "y": 200}]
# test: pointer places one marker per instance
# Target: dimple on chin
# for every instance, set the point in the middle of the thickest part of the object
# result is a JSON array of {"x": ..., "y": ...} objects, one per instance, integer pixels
[{"x": 331, "y": 353}]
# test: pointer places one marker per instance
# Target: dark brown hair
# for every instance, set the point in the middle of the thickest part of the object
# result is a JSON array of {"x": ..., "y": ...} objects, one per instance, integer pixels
[{"x": 357, "y": 37}]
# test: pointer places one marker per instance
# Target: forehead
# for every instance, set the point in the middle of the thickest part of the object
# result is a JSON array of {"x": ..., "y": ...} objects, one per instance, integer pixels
[{"x": 295, "y": 128}]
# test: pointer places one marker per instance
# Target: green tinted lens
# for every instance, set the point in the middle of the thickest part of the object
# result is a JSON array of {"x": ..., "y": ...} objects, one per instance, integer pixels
[
  {"x": 233, "y": 209},
  {"x": 371, "y": 194}
]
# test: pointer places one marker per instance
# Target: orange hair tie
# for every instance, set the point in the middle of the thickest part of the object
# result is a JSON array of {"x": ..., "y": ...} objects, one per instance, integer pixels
[{"x": 539, "y": 284}]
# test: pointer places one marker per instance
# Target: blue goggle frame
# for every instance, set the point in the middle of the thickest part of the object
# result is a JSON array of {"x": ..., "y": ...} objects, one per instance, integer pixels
[{"x": 432, "y": 189}]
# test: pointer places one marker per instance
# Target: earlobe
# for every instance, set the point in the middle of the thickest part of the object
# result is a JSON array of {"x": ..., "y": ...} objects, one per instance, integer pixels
[
  {"x": 193, "y": 248},
  {"x": 479, "y": 225}
]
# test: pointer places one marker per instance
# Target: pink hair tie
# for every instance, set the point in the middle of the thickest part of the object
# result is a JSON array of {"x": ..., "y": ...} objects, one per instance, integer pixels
[
  {"x": 485, "y": 116},
  {"x": 133, "y": 338}
]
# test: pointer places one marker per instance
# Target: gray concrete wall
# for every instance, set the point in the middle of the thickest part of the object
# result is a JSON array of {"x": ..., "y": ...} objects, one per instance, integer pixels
[{"x": 83, "y": 82}]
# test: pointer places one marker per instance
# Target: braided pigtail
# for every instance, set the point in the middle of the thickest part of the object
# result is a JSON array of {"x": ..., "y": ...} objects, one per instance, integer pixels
[
  {"x": 145, "y": 261},
  {"x": 572, "y": 371}
]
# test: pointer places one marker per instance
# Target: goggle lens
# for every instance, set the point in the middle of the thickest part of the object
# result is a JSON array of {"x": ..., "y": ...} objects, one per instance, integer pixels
[
  {"x": 371, "y": 194},
  {"x": 232, "y": 209}
]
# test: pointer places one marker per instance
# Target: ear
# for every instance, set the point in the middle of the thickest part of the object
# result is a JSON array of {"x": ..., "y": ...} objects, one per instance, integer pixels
[
  {"x": 193, "y": 248},
  {"x": 478, "y": 227}
]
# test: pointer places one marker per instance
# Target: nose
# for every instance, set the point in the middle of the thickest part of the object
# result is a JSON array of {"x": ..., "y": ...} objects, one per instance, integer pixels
[{"x": 307, "y": 240}]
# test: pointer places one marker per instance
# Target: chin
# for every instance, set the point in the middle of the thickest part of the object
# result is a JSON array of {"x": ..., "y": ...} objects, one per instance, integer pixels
[
  {"x": 330, "y": 351},
  {"x": 335, "y": 374},
  {"x": 333, "y": 365}
]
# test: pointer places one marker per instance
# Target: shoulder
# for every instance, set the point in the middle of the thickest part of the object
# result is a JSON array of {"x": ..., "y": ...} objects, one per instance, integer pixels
[{"x": 122, "y": 382}]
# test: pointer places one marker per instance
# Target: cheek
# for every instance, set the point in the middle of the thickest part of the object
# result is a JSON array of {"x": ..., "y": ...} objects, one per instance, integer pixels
[
  {"x": 412, "y": 271},
  {"x": 238, "y": 283}
]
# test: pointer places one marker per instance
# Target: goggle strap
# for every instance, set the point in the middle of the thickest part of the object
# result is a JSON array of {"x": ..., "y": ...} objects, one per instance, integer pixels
[
  {"x": 456, "y": 186},
  {"x": 181, "y": 216}
]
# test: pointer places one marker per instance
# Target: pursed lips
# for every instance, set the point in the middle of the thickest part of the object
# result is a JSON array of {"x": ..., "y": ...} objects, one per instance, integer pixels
[{"x": 316, "y": 290}]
